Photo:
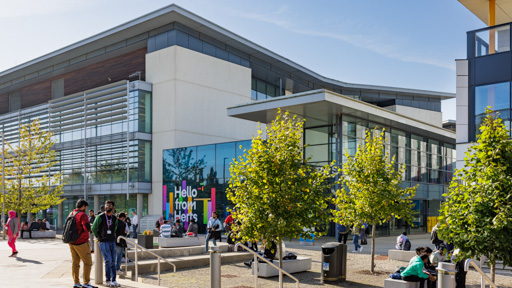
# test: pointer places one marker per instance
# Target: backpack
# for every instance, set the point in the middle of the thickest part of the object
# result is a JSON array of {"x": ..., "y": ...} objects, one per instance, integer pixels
[
  {"x": 434, "y": 239},
  {"x": 407, "y": 245},
  {"x": 70, "y": 233}
]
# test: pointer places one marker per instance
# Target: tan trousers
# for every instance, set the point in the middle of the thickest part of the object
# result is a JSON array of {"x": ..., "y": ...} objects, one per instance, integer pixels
[{"x": 81, "y": 252}]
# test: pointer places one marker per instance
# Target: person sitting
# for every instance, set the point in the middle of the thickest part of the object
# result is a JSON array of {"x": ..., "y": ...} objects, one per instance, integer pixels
[
  {"x": 165, "y": 230},
  {"x": 34, "y": 226},
  {"x": 25, "y": 228},
  {"x": 192, "y": 228},
  {"x": 415, "y": 272},
  {"x": 177, "y": 229},
  {"x": 47, "y": 223},
  {"x": 401, "y": 241},
  {"x": 42, "y": 225},
  {"x": 438, "y": 256},
  {"x": 419, "y": 252},
  {"x": 430, "y": 268}
]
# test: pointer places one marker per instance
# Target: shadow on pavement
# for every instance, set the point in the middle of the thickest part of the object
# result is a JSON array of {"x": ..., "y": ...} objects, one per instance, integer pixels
[{"x": 19, "y": 259}]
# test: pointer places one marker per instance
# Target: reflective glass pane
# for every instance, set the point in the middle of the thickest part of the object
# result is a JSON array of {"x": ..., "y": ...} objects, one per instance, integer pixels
[{"x": 495, "y": 95}]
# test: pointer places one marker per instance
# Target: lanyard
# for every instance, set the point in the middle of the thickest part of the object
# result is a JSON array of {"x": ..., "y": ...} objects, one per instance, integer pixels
[{"x": 109, "y": 222}]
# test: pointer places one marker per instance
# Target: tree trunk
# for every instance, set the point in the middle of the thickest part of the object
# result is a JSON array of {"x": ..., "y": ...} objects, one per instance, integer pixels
[
  {"x": 493, "y": 272},
  {"x": 373, "y": 249},
  {"x": 280, "y": 263}
]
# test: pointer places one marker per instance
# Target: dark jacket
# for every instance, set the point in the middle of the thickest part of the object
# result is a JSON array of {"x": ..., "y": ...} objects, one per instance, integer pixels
[
  {"x": 121, "y": 231},
  {"x": 100, "y": 228}
]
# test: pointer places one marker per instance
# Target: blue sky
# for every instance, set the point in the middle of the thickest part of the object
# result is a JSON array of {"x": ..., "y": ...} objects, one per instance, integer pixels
[{"x": 399, "y": 43}]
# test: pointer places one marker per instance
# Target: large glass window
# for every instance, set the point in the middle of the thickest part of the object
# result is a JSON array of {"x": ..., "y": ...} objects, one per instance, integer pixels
[
  {"x": 493, "y": 40},
  {"x": 497, "y": 97}
]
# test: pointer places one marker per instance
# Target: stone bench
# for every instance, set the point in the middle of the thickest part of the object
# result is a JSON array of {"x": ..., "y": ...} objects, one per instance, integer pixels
[
  {"x": 395, "y": 283},
  {"x": 180, "y": 241},
  {"x": 401, "y": 255},
  {"x": 300, "y": 264},
  {"x": 40, "y": 234}
]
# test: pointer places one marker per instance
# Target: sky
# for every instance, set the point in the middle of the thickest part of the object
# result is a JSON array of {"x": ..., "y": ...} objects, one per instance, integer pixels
[{"x": 397, "y": 43}]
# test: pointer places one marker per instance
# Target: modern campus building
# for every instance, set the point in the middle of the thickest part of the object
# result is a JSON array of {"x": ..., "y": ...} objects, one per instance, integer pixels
[
  {"x": 151, "y": 113},
  {"x": 484, "y": 77}
]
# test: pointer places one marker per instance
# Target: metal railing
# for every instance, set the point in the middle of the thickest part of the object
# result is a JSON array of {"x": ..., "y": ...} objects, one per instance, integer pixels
[
  {"x": 136, "y": 259},
  {"x": 255, "y": 265},
  {"x": 479, "y": 270}
]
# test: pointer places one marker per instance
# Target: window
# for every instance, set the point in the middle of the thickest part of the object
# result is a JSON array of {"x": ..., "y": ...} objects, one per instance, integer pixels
[
  {"x": 495, "y": 95},
  {"x": 491, "y": 41}
]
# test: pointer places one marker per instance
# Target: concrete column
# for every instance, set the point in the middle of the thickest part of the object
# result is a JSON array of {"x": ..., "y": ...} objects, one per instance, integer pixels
[
  {"x": 60, "y": 216},
  {"x": 98, "y": 264},
  {"x": 96, "y": 203},
  {"x": 140, "y": 206},
  {"x": 29, "y": 217}
]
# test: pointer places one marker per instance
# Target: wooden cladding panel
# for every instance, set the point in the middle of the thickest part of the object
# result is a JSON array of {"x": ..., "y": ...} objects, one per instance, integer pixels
[{"x": 95, "y": 75}]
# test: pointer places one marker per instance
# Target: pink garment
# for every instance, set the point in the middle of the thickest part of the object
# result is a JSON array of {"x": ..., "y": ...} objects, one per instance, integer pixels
[
  {"x": 161, "y": 220},
  {"x": 12, "y": 215},
  {"x": 12, "y": 243}
]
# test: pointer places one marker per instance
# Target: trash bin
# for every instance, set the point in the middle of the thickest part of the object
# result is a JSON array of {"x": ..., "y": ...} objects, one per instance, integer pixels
[
  {"x": 446, "y": 275},
  {"x": 334, "y": 260}
]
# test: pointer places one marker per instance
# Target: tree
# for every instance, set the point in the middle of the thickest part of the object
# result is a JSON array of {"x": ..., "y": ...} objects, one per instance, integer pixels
[
  {"x": 30, "y": 182},
  {"x": 275, "y": 192},
  {"x": 477, "y": 214},
  {"x": 372, "y": 192}
]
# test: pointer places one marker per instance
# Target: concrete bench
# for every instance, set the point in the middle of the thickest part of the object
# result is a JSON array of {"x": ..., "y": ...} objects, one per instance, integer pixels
[
  {"x": 300, "y": 264},
  {"x": 40, "y": 234},
  {"x": 395, "y": 283},
  {"x": 180, "y": 241},
  {"x": 401, "y": 255}
]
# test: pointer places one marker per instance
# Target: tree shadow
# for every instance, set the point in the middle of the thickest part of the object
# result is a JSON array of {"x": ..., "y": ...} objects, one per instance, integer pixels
[
  {"x": 314, "y": 279},
  {"x": 23, "y": 260}
]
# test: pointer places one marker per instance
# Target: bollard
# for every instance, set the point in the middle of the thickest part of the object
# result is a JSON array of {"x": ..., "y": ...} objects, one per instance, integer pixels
[
  {"x": 446, "y": 275},
  {"x": 215, "y": 265},
  {"x": 98, "y": 264}
]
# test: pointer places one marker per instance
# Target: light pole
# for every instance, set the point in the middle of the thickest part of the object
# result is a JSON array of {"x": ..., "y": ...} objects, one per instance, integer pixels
[{"x": 3, "y": 186}]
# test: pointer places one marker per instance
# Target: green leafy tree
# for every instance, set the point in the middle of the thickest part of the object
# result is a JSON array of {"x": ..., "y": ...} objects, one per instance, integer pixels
[
  {"x": 477, "y": 214},
  {"x": 275, "y": 192},
  {"x": 29, "y": 185},
  {"x": 371, "y": 193}
]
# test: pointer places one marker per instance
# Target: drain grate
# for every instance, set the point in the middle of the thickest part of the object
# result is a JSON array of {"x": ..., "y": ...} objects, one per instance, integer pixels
[{"x": 229, "y": 276}]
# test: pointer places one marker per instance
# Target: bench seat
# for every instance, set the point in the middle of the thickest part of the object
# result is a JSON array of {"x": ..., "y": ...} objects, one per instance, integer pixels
[
  {"x": 395, "y": 283},
  {"x": 401, "y": 255},
  {"x": 180, "y": 241},
  {"x": 300, "y": 264},
  {"x": 40, "y": 234}
]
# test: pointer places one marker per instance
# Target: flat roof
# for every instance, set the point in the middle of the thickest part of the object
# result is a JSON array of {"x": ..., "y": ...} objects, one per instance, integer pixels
[
  {"x": 480, "y": 8},
  {"x": 173, "y": 13},
  {"x": 320, "y": 107}
]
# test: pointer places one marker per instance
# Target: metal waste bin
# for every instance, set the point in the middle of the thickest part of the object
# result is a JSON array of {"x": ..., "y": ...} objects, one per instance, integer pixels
[
  {"x": 446, "y": 275},
  {"x": 334, "y": 261}
]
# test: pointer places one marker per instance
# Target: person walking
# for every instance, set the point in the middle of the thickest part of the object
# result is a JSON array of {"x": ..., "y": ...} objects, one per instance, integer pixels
[
  {"x": 91, "y": 235},
  {"x": 104, "y": 229},
  {"x": 213, "y": 228},
  {"x": 135, "y": 223},
  {"x": 80, "y": 249},
  {"x": 13, "y": 230},
  {"x": 356, "y": 230},
  {"x": 342, "y": 233}
]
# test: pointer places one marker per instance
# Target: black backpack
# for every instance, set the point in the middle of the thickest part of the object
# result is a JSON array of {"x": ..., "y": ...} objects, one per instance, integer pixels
[
  {"x": 70, "y": 233},
  {"x": 407, "y": 245}
]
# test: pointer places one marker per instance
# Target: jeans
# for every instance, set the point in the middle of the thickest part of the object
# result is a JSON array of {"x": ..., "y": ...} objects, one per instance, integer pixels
[
  {"x": 356, "y": 242},
  {"x": 134, "y": 228},
  {"x": 108, "y": 250},
  {"x": 414, "y": 278},
  {"x": 119, "y": 256},
  {"x": 208, "y": 240},
  {"x": 342, "y": 237}
]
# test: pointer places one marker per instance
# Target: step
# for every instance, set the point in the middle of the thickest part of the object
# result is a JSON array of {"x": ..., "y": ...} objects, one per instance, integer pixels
[
  {"x": 173, "y": 252},
  {"x": 151, "y": 265}
]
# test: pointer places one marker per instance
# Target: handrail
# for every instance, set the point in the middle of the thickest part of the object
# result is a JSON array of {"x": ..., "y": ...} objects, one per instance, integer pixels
[
  {"x": 479, "y": 270},
  {"x": 255, "y": 262},
  {"x": 136, "y": 260}
]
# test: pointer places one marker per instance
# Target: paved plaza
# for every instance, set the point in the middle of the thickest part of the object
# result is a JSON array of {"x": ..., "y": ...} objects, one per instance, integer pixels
[{"x": 47, "y": 263}]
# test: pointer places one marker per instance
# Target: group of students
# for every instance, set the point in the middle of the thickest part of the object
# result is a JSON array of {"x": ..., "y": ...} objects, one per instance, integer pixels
[
  {"x": 176, "y": 230},
  {"x": 359, "y": 232},
  {"x": 105, "y": 227}
]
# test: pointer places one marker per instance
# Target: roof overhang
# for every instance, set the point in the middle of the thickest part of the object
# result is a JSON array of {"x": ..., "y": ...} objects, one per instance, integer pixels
[
  {"x": 139, "y": 28},
  {"x": 480, "y": 8},
  {"x": 320, "y": 107}
]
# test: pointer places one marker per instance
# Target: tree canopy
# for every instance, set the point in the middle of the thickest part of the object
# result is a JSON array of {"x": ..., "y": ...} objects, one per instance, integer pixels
[
  {"x": 477, "y": 214},
  {"x": 371, "y": 192}
]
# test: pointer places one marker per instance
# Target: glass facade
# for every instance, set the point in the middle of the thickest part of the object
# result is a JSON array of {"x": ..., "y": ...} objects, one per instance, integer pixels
[
  {"x": 497, "y": 97},
  {"x": 195, "y": 181},
  {"x": 260, "y": 90},
  {"x": 98, "y": 156},
  {"x": 493, "y": 40}
]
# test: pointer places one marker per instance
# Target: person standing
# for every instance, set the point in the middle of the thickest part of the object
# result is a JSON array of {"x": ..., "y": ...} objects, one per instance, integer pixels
[
  {"x": 213, "y": 228},
  {"x": 80, "y": 249},
  {"x": 135, "y": 223},
  {"x": 13, "y": 229},
  {"x": 91, "y": 235},
  {"x": 342, "y": 233},
  {"x": 104, "y": 229},
  {"x": 121, "y": 230}
]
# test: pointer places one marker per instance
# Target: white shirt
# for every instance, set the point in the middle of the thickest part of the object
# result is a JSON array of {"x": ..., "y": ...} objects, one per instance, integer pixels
[
  {"x": 135, "y": 220},
  {"x": 47, "y": 225}
]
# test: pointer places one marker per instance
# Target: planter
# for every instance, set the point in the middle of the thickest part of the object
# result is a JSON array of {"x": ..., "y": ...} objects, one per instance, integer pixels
[{"x": 145, "y": 241}]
